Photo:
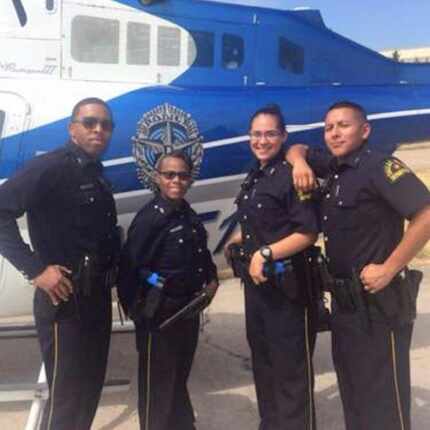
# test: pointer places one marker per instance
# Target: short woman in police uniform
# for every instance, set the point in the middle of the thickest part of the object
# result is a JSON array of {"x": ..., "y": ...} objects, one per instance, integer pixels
[
  {"x": 276, "y": 223},
  {"x": 166, "y": 249}
]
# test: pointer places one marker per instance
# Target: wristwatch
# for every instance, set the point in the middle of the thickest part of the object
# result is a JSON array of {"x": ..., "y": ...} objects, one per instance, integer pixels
[{"x": 266, "y": 253}]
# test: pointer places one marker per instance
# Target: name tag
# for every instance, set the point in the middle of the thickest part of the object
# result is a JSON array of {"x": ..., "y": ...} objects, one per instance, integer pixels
[
  {"x": 175, "y": 229},
  {"x": 86, "y": 187}
]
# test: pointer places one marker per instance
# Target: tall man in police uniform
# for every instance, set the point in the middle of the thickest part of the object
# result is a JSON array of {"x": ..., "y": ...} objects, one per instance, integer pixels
[
  {"x": 72, "y": 223},
  {"x": 365, "y": 198}
]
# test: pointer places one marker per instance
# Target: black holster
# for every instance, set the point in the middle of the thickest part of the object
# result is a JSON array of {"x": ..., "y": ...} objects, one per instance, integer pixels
[
  {"x": 239, "y": 261},
  {"x": 94, "y": 272},
  {"x": 397, "y": 303}
]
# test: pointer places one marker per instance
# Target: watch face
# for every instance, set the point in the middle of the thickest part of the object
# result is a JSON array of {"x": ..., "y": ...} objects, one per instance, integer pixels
[{"x": 266, "y": 252}]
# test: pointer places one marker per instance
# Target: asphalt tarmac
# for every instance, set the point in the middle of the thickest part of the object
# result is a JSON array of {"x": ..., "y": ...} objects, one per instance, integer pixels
[{"x": 221, "y": 383}]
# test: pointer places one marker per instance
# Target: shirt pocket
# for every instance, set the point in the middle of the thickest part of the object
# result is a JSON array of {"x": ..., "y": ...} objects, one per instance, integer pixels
[
  {"x": 347, "y": 207},
  {"x": 266, "y": 209},
  {"x": 87, "y": 204}
]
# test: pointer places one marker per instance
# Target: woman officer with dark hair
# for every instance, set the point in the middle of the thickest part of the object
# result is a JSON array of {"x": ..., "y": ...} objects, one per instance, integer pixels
[
  {"x": 166, "y": 249},
  {"x": 276, "y": 223}
]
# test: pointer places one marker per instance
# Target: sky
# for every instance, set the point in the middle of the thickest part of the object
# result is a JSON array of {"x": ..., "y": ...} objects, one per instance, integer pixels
[{"x": 377, "y": 24}]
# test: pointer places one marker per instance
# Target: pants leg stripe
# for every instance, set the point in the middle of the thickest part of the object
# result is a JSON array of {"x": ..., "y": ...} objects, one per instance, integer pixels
[
  {"x": 309, "y": 371},
  {"x": 148, "y": 382},
  {"x": 54, "y": 378},
  {"x": 396, "y": 382}
]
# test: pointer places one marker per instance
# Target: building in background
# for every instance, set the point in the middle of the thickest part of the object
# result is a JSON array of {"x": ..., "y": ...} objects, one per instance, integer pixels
[{"x": 409, "y": 55}]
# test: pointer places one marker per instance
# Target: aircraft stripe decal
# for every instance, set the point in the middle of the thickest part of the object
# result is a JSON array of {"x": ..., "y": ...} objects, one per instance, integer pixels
[
  {"x": 290, "y": 128},
  {"x": 295, "y": 128}
]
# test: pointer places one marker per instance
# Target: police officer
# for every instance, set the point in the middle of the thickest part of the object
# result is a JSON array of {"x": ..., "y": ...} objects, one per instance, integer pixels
[
  {"x": 71, "y": 219},
  {"x": 276, "y": 222},
  {"x": 166, "y": 249},
  {"x": 365, "y": 199}
]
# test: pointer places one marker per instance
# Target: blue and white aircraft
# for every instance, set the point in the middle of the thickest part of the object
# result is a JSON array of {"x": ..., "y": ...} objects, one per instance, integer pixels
[{"x": 184, "y": 74}]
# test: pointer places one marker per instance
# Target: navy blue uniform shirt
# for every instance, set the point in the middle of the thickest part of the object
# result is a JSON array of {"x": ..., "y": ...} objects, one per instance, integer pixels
[
  {"x": 269, "y": 208},
  {"x": 168, "y": 240},
  {"x": 365, "y": 199},
  {"x": 70, "y": 211}
]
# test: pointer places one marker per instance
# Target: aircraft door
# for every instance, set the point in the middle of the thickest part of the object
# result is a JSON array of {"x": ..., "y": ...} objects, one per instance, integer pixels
[{"x": 14, "y": 120}]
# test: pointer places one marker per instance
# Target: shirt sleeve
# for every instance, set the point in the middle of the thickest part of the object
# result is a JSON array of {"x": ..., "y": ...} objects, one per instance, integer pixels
[
  {"x": 319, "y": 161},
  {"x": 22, "y": 193},
  {"x": 400, "y": 187},
  {"x": 302, "y": 212}
]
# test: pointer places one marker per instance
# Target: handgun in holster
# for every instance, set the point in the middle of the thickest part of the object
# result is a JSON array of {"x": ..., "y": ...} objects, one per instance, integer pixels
[
  {"x": 149, "y": 299},
  {"x": 397, "y": 301},
  {"x": 239, "y": 261}
]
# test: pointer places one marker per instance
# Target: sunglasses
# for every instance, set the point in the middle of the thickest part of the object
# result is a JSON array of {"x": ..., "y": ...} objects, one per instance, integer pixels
[
  {"x": 170, "y": 174},
  {"x": 91, "y": 122}
]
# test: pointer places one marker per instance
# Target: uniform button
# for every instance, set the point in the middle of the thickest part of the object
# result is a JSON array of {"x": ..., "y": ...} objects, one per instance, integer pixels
[
  {"x": 325, "y": 239},
  {"x": 245, "y": 196},
  {"x": 259, "y": 206},
  {"x": 109, "y": 214},
  {"x": 336, "y": 176},
  {"x": 327, "y": 196},
  {"x": 91, "y": 199},
  {"x": 247, "y": 236},
  {"x": 194, "y": 230},
  {"x": 200, "y": 270},
  {"x": 245, "y": 217},
  {"x": 255, "y": 181},
  {"x": 325, "y": 218},
  {"x": 200, "y": 250},
  {"x": 341, "y": 203},
  {"x": 156, "y": 207},
  {"x": 181, "y": 240}
]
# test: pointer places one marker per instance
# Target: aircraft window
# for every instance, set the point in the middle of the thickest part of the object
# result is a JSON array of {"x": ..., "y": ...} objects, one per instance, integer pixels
[
  {"x": 95, "y": 40},
  {"x": 169, "y": 46},
  {"x": 233, "y": 48},
  {"x": 138, "y": 43},
  {"x": 2, "y": 116},
  {"x": 50, "y": 5},
  {"x": 201, "y": 49},
  {"x": 291, "y": 56}
]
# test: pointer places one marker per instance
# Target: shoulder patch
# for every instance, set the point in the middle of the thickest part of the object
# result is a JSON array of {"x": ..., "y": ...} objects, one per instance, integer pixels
[
  {"x": 394, "y": 169},
  {"x": 304, "y": 196}
]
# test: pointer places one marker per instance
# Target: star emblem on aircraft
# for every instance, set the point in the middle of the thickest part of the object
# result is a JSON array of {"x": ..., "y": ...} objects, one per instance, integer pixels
[{"x": 163, "y": 130}]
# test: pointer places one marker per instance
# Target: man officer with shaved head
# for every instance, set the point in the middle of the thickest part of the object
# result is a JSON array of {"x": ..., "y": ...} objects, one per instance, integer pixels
[{"x": 71, "y": 219}]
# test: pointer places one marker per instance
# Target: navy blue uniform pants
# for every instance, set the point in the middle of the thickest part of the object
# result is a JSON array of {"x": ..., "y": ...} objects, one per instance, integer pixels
[
  {"x": 373, "y": 370},
  {"x": 165, "y": 361},
  {"x": 281, "y": 344},
  {"x": 75, "y": 352}
]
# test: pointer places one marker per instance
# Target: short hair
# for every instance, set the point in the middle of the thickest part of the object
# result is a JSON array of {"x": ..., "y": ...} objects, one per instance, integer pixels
[
  {"x": 271, "y": 109},
  {"x": 90, "y": 101},
  {"x": 350, "y": 105},
  {"x": 180, "y": 155}
]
